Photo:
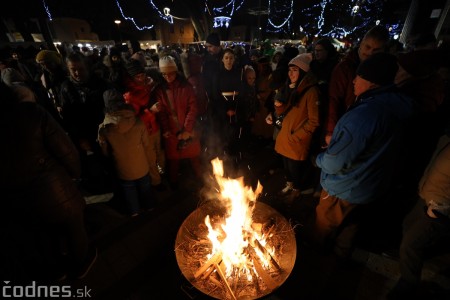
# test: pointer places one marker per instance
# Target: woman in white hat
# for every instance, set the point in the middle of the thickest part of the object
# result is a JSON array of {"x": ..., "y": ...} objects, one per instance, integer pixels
[
  {"x": 178, "y": 113},
  {"x": 297, "y": 123}
]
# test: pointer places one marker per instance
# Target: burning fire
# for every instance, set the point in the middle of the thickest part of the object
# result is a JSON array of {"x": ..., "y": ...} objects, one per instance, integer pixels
[
  {"x": 246, "y": 251},
  {"x": 232, "y": 237}
]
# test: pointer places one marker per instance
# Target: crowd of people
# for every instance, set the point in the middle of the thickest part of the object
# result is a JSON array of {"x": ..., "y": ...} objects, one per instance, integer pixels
[{"x": 348, "y": 128}]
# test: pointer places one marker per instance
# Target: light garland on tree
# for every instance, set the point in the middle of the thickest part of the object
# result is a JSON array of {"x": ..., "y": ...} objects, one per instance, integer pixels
[
  {"x": 132, "y": 19},
  {"x": 274, "y": 9},
  {"x": 341, "y": 26}
]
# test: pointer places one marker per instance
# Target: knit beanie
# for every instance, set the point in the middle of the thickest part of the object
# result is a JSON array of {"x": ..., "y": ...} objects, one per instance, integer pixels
[
  {"x": 134, "y": 67},
  {"x": 213, "y": 39},
  {"x": 167, "y": 64},
  {"x": 49, "y": 56},
  {"x": 379, "y": 68},
  {"x": 139, "y": 56},
  {"x": 114, "y": 101},
  {"x": 302, "y": 61}
]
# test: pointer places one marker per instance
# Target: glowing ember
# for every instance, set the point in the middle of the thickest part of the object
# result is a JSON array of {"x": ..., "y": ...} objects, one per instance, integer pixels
[{"x": 236, "y": 247}]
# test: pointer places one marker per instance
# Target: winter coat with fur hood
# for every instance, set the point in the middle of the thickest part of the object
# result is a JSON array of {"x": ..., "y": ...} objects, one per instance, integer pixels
[
  {"x": 124, "y": 137},
  {"x": 294, "y": 139}
]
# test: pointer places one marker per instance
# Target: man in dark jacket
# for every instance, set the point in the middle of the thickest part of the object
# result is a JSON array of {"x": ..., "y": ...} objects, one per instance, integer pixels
[
  {"x": 210, "y": 70},
  {"x": 82, "y": 103},
  {"x": 42, "y": 207},
  {"x": 83, "y": 111},
  {"x": 341, "y": 95}
]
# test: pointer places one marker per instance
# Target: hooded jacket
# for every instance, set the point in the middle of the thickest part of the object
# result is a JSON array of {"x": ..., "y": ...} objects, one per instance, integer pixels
[
  {"x": 124, "y": 137},
  {"x": 138, "y": 96},
  {"x": 359, "y": 162},
  {"x": 294, "y": 139}
]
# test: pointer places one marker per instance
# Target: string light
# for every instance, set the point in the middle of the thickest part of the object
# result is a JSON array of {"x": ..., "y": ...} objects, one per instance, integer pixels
[
  {"x": 346, "y": 15},
  {"x": 223, "y": 9},
  {"x": 168, "y": 17},
  {"x": 281, "y": 8},
  {"x": 132, "y": 19},
  {"x": 47, "y": 10}
]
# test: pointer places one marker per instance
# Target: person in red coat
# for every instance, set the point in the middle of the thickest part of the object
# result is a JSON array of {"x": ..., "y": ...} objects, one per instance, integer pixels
[{"x": 177, "y": 113}]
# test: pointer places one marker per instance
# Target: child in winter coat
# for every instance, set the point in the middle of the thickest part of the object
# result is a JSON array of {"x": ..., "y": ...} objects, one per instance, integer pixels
[{"x": 124, "y": 137}]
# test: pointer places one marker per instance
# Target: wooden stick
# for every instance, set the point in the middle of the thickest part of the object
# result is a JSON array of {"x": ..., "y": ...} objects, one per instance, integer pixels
[
  {"x": 217, "y": 257},
  {"x": 271, "y": 284},
  {"x": 208, "y": 272},
  {"x": 215, "y": 281},
  {"x": 255, "y": 281},
  {"x": 224, "y": 279},
  {"x": 269, "y": 231},
  {"x": 264, "y": 250}
]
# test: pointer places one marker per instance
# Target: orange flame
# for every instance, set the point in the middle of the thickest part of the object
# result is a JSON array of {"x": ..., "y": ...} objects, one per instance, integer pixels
[{"x": 236, "y": 233}]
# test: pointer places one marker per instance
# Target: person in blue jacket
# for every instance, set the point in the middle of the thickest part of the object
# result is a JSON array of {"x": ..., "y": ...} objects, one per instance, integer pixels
[{"x": 357, "y": 168}]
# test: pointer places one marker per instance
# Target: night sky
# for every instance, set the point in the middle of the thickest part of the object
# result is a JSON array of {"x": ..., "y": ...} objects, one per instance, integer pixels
[{"x": 102, "y": 13}]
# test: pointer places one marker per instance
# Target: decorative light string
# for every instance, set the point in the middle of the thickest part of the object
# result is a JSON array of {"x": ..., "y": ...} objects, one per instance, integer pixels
[
  {"x": 232, "y": 3},
  {"x": 275, "y": 8},
  {"x": 280, "y": 13},
  {"x": 132, "y": 19},
  {"x": 47, "y": 10},
  {"x": 168, "y": 17},
  {"x": 361, "y": 12}
]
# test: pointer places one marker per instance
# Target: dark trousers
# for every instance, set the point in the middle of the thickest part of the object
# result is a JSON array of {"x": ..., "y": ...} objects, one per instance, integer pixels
[
  {"x": 173, "y": 166},
  {"x": 423, "y": 237},
  {"x": 138, "y": 194},
  {"x": 295, "y": 170}
]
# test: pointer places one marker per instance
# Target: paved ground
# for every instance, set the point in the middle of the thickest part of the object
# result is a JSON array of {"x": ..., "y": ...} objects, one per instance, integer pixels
[{"x": 137, "y": 259}]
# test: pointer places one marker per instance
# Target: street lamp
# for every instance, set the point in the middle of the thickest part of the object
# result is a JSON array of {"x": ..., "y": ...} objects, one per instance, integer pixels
[{"x": 118, "y": 29}]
